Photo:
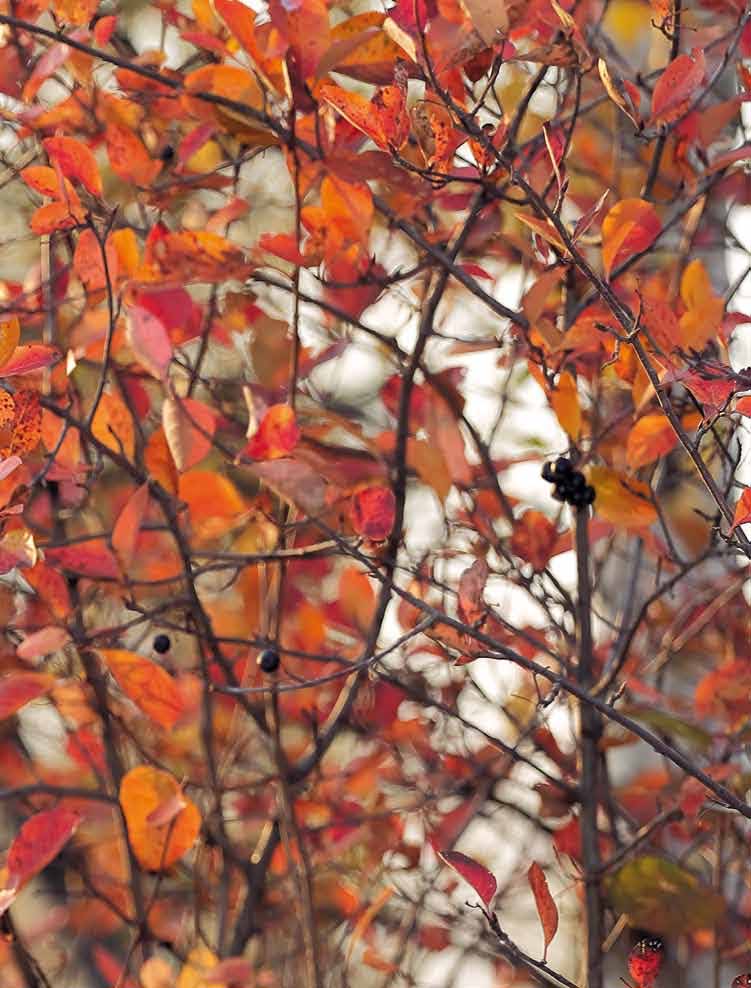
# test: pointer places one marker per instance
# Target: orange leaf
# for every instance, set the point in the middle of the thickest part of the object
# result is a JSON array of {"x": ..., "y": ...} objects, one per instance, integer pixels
[
  {"x": 229, "y": 81},
  {"x": 129, "y": 159},
  {"x": 213, "y": 502},
  {"x": 147, "y": 684},
  {"x": 475, "y": 874},
  {"x": 631, "y": 226},
  {"x": 88, "y": 262},
  {"x": 46, "y": 181},
  {"x": 19, "y": 688},
  {"x": 113, "y": 425},
  {"x": 704, "y": 310},
  {"x": 39, "y": 841},
  {"x": 157, "y": 846},
  {"x": 357, "y": 110},
  {"x": 372, "y": 512},
  {"x": 651, "y": 438},
  {"x": 742, "y": 510},
  {"x": 362, "y": 50},
  {"x": 676, "y": 86},
  {"x": 565, "y": 403},
  {"x": 621, "y": 501},
  {"x": 349, "y": 206},
  {"x": 188, "y": 428},
  {"x": 199, "y": 256},
  {"x": 305, "y": 24},
  {"x": 27, "y": 423},
  {"x": 361, "y": 926},
  {"x": 390, "y": 103},
  {"x": 76, "y": 162},
  {"x": 128, "y": 525},
  {"x": 54, "y": 216},
  {"x": 726, "y": 692},
  {"x": 159, "y": 462},
  {"x": 546, "y": 907},
  {"x": 276, "y": 436}
]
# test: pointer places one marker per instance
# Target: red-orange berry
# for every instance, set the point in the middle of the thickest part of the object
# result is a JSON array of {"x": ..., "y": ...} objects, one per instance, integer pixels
[{"x": 645, "y": 961}]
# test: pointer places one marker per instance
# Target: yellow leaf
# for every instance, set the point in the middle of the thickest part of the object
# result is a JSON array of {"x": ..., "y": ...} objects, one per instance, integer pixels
[
  {"x": 143, "y": 791},
  {"x": 199, "y": 963},
  {"x": 10, "y": 334},
  {"x": 621, "y": 501}
]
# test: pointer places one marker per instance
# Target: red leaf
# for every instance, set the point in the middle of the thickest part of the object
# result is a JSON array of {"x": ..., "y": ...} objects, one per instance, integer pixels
[
  {"x": 276, "y": 436},
  {"x": 471, "y": 871},
  {"x": 30, "y": 357},
  {"x": 19, "y": 688},
  {"x": 742, "y": 510},
  {"x": 676, "y": 85},
  {"x": 128, "y": 525},
  {"x": 92, "y": 558},
  {"x": 372, "y": 512},
  {"x": 149, "y": 341},
  {"x": 631, "y": 226},
  {"x": 645, "y": 961},
  {"x": 546, "y": 907},
  {"x": 39, "y": 841}
]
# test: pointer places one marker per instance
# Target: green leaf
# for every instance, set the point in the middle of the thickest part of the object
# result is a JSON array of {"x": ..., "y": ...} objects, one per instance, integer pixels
[
  {"x": 660, "y": 896},
  {"x": 670, "y": 725}
]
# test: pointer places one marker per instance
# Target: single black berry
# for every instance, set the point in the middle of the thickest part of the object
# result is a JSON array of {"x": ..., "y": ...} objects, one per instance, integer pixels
[
  {"x": 162, "y": 644},
  {"x": 562, "y": 466},
  {"x": 268, "y": 660},
  {"x": 167, "y": 153},
  {"x": 577, "y": 481},
  {"x": 547, "y": 473}
]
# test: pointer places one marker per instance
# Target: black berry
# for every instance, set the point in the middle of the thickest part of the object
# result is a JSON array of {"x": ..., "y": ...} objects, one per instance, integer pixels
[
  {"x": 547, "y": 473},
  {"x": 589, "y": 494},
  {"x": 562, "y": 466},
  {"x": 162, "y": 644},
  {"x": 268, "y": 660},
  {"x": 167, "y": 153}
]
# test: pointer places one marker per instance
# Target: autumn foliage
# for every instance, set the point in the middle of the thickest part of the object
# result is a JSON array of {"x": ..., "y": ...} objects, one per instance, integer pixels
[{"x": 399, "y": 346}]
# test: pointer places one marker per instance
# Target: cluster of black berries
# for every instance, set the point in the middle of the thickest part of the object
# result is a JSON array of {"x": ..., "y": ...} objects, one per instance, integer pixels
[{"x": 570, "y": 485}]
